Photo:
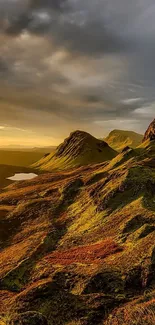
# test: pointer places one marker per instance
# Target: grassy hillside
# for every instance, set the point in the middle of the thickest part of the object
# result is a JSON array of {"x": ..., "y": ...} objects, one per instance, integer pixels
[
  {"x": 77, "y": 247},
  {"x": 79, "y": 149},
  {"x": 118, "y": 139}
]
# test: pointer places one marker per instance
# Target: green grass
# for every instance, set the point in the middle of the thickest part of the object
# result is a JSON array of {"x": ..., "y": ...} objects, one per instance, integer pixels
[{"x": 55, "y": 163}]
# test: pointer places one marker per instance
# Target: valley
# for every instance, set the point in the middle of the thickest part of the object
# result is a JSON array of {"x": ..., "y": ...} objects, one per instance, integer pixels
[
  {"x": 15, "y": 161},
  {"x": 8, "y": 171}
]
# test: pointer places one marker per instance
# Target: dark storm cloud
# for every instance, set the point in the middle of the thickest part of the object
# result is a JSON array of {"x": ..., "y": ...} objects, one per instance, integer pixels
[
  {"x": 64, "y": 23},
  {"x": 89, "y": 39},
  {"x": 18, "y": 16},
  {"x": 18, "y": 24}
]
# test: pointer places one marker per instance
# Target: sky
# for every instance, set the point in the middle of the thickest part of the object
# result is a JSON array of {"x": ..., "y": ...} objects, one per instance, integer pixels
[{"x": 75, "y": 64}]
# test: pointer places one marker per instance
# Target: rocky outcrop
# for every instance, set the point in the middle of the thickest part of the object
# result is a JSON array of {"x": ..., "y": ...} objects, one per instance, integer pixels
[{"x": 150, "y": 132}]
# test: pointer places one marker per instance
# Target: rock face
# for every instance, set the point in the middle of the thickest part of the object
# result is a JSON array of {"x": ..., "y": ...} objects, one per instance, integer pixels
[{"x": 150, "y": 132}]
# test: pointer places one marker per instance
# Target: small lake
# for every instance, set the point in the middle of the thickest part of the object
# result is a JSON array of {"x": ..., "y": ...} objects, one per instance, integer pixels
[{"x": 22, "y": 176}]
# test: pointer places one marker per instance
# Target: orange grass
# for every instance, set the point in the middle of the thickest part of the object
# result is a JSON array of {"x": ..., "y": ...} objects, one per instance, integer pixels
[
  {"x": 138, "y": 314},
  {"x": 85, "y": 254}
]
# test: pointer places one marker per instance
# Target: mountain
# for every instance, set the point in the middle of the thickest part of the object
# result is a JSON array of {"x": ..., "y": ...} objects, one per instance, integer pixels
[
  {"x": 150, "y": 132},
  {"x": 79, "y": 149},
  {"x": 77, "y": 246},
  {"x": 118, "y": 139}
]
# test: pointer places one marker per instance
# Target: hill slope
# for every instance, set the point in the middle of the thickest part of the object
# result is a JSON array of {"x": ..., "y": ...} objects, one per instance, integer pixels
[
  {"x": 79, "y": 149},
  {"x": 118, "y": 139},
  {"x": 77, "y": 247}
]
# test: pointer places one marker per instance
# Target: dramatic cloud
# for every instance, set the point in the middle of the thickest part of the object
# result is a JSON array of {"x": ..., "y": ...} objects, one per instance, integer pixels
[{"x": 68, "y": 64}]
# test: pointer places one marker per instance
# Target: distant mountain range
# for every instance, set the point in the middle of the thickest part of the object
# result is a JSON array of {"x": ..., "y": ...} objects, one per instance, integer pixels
[
  {"x": 28, "y": 149},
  {"x": 118, "y": 139}
]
